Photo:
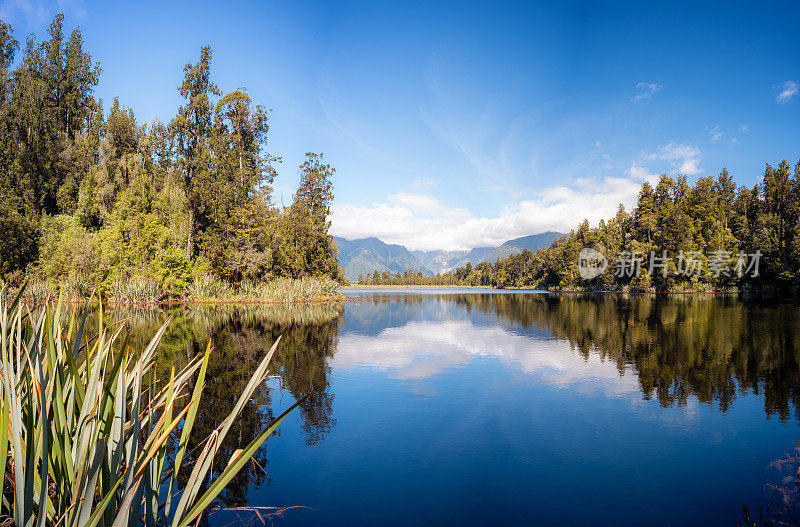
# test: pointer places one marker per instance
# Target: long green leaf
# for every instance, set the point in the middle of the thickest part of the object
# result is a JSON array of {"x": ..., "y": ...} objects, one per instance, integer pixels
[
  {"x": 43, "y": 495},
  {"x": 234, "y": 467},
  {"x": 187, "y": 426},
  {"x": 203, "y": 463},
  {"x": 102, "y": 505},
  {"x": 3, "y": 441}
]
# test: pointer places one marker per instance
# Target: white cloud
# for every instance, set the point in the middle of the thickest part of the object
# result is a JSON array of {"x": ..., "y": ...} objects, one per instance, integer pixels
[
  {"x": 690, "y": 167},
  {"x": 424, "y": 222},
  {"x": 642, "y": 174},
  {"x": 420, "y": 350},
  {"x": 744, "y": 128},
  {"x": 716, "y": 134},
  {"x": 421, "y": 221},
  {"x": 683, "y": 158},
  {"x": 647, "y": 91},
  {"x": 733, "y": 142},
  {"x": 676, "y": 151},
  {"x": 788, "y": 89}
]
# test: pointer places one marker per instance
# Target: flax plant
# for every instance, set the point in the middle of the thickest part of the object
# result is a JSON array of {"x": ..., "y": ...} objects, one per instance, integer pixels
[{"x": 85, "y": 442}]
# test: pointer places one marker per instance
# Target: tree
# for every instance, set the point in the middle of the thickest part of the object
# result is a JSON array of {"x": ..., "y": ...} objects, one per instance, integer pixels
[
  {"x": 307, "y": 220},
  {"x": 645, "y": 214},
  {"x": 236, "y": 202},
  {"x": 192, "y": 131},
  {"x": 780, "y": 210},
  {"x": 51, "y": 101}
]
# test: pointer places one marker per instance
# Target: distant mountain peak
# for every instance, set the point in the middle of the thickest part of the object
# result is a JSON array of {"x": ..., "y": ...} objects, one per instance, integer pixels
[{"x": 366, "y": 255}]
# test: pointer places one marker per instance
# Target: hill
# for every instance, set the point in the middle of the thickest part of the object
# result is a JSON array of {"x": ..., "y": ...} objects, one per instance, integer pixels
[
  {"x": 517, "y": 245},
  {"x": 367, "y": 255},
  {"x": 443, "y": 261}
]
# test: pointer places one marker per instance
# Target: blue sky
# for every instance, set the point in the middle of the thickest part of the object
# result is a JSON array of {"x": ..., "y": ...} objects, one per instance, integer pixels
[{"x": 456, "y": 125}]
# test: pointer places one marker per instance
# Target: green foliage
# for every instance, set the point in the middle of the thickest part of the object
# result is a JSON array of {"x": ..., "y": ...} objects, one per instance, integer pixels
[
  {"x": 83, "y": 444},
  {"x": 135, "y": 291},
  {"x": 174, "y": 272},
  {"x": 102, "y": 201},
  {"x": 67, "y": 252},
  {"x": 207, "y": 287},
  {"x": 306, "y": 248},
  {"x": 711, "y": 215},
  {"x": 20, "y": 232}
]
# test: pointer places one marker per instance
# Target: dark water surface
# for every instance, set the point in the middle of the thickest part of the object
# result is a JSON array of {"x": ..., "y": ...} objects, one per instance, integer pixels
[{"x": 442, "y": 407}]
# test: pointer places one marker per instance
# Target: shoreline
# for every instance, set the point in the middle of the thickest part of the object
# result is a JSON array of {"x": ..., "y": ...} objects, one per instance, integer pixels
[
  {"x": 344, "y": 288},
  {"x": 477, "y": 289},
  {"x": 341, "y": 297},
  {"x": 114, "y": 303}
]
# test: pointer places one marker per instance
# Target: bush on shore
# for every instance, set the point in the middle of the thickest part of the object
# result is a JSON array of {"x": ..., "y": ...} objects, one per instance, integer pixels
[{"x": 204, "y": 288}]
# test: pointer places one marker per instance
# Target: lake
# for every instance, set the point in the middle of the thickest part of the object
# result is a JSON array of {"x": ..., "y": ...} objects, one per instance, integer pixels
[{"x": 456, "y": 407}]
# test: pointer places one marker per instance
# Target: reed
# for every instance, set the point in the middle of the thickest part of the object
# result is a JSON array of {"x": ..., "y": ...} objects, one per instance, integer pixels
[
  {"x": 135, "y": 291},
  {"x": 297, "y": 290},
  {"x": 86, "y": 443},
  {"x": 205, "y": 288},
  {"x": 209, "y": 288}
]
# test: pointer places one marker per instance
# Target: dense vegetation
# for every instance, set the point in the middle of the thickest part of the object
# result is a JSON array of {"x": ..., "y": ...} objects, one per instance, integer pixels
[
  {"x": 710, "y": 216},
  {"x": 409, "y": 277},
  {"x": 93, "y": 198},
  {"x": 88, "y": 439}
]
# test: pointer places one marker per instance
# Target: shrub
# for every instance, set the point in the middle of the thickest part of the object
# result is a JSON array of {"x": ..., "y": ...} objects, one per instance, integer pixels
[
  {"x": 67, "y": 251},
  {"x": 18, "y": 240},
  {"x": 135, "y": 290},
  {"x": 208, "y": 287},
  {"x": 174, "y": 271}
]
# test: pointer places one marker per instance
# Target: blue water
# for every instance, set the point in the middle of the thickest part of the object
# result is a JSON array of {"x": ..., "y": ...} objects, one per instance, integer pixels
[{"x": 449, "y": 408}]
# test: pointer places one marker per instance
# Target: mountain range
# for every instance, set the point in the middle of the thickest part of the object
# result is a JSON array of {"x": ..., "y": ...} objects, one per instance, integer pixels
[{"x": 367, "y": 255}]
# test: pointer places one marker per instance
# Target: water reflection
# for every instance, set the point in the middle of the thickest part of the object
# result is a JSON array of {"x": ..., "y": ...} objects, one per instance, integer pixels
[
  {"x": 419, "y": 350},
  {"x": 241, "y": 337},
  {"x": 674, "y": 349},
  {"x": 678, "y": 346}
]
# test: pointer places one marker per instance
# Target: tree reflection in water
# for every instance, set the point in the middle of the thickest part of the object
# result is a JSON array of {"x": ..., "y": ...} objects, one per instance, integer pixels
[
  {"x": 241, "y": 337},
  {"x": 712, "y": 348}
]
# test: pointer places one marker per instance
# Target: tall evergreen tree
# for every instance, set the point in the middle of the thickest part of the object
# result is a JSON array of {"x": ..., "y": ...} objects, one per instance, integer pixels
[{"x": 192, "y": 129}]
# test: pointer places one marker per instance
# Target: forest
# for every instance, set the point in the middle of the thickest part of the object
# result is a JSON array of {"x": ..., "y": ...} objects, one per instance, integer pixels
[
  {"x": 713, "y": 216},
  {"x": 94, "y": 199}
]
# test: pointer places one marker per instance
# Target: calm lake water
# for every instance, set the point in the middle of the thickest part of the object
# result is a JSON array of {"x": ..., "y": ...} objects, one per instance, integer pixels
[{"x": 446, "y": 407}]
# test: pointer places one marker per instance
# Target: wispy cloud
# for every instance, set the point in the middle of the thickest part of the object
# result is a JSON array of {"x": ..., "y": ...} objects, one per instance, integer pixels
[
  {"x": 788, "y": 89},
  {"x": 683, "y": 158},
  {"x": 716, "y": 134},
  {"x": 421, "y": 184},
  {"x": 646, "y": 91},
  {"x": 39, "y": 12}
]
